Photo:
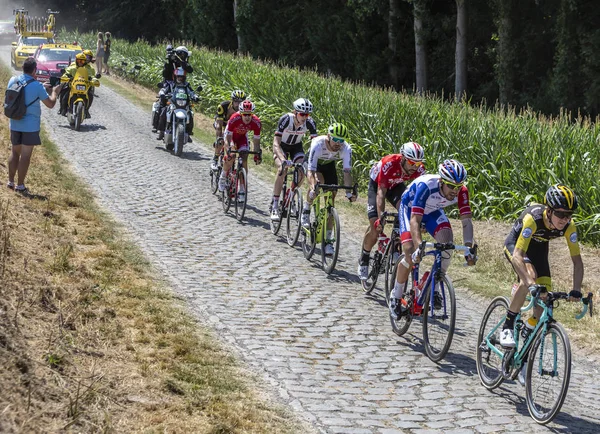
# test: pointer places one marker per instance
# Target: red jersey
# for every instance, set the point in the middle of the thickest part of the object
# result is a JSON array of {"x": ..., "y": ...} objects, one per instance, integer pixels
[
  {"x": 239, "y": 130},
  {"x": 388, "y": 172}
]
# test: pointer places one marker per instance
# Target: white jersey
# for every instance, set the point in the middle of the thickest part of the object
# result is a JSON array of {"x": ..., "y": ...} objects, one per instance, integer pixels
[
  {"x": 319, "y": 154},
  {"x": 290, "y": 135}
]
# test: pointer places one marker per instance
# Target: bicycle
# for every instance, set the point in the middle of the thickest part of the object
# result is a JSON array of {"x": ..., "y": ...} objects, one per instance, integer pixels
[
  {"x": 215, "y": 174},
  {"x": 432, "y": 297},
  {"x": 496, "y": 364},
  {"x": 318, "y": 231},
  {"x": 237, "y": 185},
  {"x": 378, "y": 262},
  {"x": 290, "y": 206}
]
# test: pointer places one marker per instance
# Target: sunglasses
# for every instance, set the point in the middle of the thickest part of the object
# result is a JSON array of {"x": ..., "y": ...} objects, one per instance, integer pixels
[
  {"x": 303, "y": 114},
  {"x": 453, "y": 186},
  {"x": 413, "y": 163},
  {"x": 337, "y": 140},
  {"x": 563, "y": 214},
  {"x": 246, "y": 114}
]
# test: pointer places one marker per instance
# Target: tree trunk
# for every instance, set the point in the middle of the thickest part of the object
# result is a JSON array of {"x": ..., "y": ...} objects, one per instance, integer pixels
[
  {"x": 460, "y": 84},
  {"x": 241, "y": 45},
  {"x": 420, "y": 47},
  {"x": 394, "y": 66},
  {"x": 504, "y": 68}
]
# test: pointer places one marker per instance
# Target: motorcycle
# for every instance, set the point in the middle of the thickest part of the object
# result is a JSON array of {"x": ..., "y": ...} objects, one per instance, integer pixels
[
  {"x": 78, "y": 96},
  {"x": 179, "y": 114}
]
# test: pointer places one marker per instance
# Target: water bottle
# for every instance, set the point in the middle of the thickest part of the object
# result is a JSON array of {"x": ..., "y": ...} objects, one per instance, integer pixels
[
  {"x": 383, "y": 242},
  {"x": 528, "y": 327}
]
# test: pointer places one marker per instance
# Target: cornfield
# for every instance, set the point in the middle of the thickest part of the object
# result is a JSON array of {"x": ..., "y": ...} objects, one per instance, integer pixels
[{"x": 511, "y": 157}]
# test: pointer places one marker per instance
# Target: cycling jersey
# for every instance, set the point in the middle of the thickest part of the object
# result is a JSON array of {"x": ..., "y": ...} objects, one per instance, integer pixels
[
  {"x": 530, "y": 229},
  {"x": 423, "y": 196},
  {"x": 239, "y": 130},
  {"x": 319, "y": 154},
  {"x": 388, "y": 172},
  {"x": 224, "y": 111},
  {"x": 292, "y": 135}
]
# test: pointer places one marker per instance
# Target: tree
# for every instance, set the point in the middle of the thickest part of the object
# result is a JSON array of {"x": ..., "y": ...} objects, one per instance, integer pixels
[
  {"x": 460, "y": 87},
  {"x": 420, "y": 46}
]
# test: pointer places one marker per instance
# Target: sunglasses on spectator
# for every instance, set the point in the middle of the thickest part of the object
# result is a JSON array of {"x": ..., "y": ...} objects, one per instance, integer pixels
[
  {"x": 337, "y": 140},
  {"x": 563, "y": 214},
  {"x": 413, "y": 162},
  {"x": 453, "y": 186}
]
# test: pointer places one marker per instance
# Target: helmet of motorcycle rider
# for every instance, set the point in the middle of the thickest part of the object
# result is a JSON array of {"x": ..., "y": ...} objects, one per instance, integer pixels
[
  {"x": 81, "y": 60},
  {"x": 247, "y": 107},
  {"x": 182, "y": 52},
  {"x": 89, "y": 55},
  {"x": 238, "y": 95},
  {"x": 179, "y": 75},
  {"x": 303, "y": 105}
]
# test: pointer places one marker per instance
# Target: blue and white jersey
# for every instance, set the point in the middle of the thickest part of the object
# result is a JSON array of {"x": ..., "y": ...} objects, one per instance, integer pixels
[{"x": 423, "y": 196}]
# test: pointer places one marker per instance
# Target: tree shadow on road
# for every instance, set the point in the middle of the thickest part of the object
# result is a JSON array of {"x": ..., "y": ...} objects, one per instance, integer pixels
[{"x": 194, "y": 156}]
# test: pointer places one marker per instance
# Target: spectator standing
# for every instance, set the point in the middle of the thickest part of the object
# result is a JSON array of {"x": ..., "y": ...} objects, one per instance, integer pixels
[
  {"x": 107, "y": 43},
  {"x": 25, "y": 132},
  {"x": 99, "y": 52}
]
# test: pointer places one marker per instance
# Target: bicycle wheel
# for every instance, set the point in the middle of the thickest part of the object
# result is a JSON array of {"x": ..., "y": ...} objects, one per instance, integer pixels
[
  {"x": 276, "y": 225},
  {"x": 229, "y": 192},
  {"x": 548, "y": 373},
  {"x": 331, "y": 237},
  {"x": 438, "y": 325},
  {"x": 489, "y": 362},
  {"x": 402, "y": 324},
  {"x": 375, "y": 264},
  {"x": 391, "y": 267},
  {"x": 241, "y": 194},
  {"x": 294, "y": 211},
  {"x": 309, "y": 236},
  {"x": 214, "y": 180}
]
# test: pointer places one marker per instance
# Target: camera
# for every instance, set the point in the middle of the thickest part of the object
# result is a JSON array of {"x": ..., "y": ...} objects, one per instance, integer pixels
[{"x": 54, "y": 81}]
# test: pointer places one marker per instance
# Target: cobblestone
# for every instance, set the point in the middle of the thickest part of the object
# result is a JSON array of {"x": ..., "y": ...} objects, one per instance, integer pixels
[{"x": 306, "y": 333}]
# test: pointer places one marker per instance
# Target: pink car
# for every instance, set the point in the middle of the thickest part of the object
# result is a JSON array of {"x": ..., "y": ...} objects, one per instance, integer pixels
[{"x": 52, "y": 58}]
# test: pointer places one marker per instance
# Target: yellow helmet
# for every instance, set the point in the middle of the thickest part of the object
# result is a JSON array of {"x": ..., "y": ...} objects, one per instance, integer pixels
[
  {"x": 89, "y": 55},
  {"x": 81, "y": 59}
]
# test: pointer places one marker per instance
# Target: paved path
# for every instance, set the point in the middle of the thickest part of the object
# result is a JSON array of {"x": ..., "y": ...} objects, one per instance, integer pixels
[{"x": 325, "y": 348}]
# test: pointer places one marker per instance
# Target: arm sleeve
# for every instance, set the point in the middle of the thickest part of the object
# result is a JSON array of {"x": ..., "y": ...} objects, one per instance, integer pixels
[
  {"x": 312, "y": 127},
  {"x": 41, "y": 92},
  {"x": 421, "y": 195},
  {"x": 313, "y": 156},
  {"x": 256, "y": 128},
  {"x": 284, "y": 121},
  {"x": 572, "y": 241},
  {"x": 529, "y": 228},
  {"x": 347, "y": 157},
  {"x": 464, "y": 206}
]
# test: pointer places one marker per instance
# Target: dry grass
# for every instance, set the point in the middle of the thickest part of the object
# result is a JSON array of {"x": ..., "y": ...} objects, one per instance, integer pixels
[{"x": 90, "y": 341}]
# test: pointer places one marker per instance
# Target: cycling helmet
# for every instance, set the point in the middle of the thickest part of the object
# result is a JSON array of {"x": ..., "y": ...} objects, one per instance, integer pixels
[
  {"x": 247, "y": 107},
  {"x": 238, "y": 95},
  {"x": 453, "y": 172},
  {"x": 81, "y": 59},
  {"x": 562, "y": 197},
  {"x": 338, "y": 130},
  {"x": 303, "y": 105},
  {"x": 412, "y": 151},
  {"x": 182, "y": 52}
]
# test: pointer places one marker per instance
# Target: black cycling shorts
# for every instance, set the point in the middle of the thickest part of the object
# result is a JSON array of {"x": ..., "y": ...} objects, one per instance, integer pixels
[
  {"x": 329, "y": 173},
  {"x": 293, "y": 152},
  {"x": 393, "y": 196},
  {"x": 536, "y": 255}
]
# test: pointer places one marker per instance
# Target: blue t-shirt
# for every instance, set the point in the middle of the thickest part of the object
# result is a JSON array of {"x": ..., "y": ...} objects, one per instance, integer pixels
[{"x": 31, "y": 121}]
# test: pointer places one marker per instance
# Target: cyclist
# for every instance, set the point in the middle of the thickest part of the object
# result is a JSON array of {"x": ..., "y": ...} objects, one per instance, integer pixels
[
  {"x": 236, "y": 137},
  {"x": 324, "y": 151},
  {"x": 81, "y": 61},
  {"x": 387, "y": 181},
  {"x": 526, "y": 248},
  {"x": 423, "y": 202},
  {"x": 287, "y": 143},
  {"x": 224, "y": 112}
]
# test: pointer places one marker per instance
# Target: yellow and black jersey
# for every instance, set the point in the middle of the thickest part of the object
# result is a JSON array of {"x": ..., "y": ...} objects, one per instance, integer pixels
[
  {"x": 224, "y": 111},
  {"x": 530, "y": 230}
]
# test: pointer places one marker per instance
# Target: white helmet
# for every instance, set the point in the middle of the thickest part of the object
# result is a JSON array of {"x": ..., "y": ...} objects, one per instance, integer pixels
[
  {"x": 412, "y": 151},
  {"x": 182, "y": 52},
  {"x": 303, "y": 105}
]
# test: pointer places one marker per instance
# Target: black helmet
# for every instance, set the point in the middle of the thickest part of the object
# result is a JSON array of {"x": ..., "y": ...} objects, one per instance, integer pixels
[{"x": 560, "y": 196}]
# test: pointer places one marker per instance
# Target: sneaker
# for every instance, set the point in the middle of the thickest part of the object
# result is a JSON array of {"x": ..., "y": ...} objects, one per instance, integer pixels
[
  {"x": 329, "y": 250},
  {"x": 275, "y": 214},
  {"x": 438, "y": 300},
  {"x": 161, "y": 135},
  {"x": 241, "y": 196},
  {"x": 363, "y": 271},
  {"x": 88, "y": 115},
  {"x": 507, "y": 339},
  {"x": 214, "y": 165},
  {"x": 22, "y": 189},
  {"x": 305, "y": 219},
  {"x": 222, "y": 183},
  {"x": 398, "y": 307},
  {"x": 10, "y": 185},
  {"x": 522, "y": 373}
]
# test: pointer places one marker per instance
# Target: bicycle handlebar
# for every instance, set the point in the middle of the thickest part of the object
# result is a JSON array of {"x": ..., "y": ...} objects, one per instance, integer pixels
[
  {"x": 386, "y": 216},
  {"x": 588, "y": 302},
  {"x": 286, "y": 164},
  {"x": 354, "y": 187},
  {"x": 233, "y": 151}
]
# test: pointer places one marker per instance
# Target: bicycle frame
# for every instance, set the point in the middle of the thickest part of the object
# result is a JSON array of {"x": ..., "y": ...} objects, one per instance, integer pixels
[
  {"x": 321, "y": 212},
  {"x": 298, "y": 168}
]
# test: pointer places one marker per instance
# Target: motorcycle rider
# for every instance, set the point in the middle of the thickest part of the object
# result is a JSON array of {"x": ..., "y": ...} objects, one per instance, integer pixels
[
  {"x": 168, "y": 89},
  {"x": 224, "y": 111},
  {"x": 81, "y": 61},
  {"x": 177, "y": 58}
]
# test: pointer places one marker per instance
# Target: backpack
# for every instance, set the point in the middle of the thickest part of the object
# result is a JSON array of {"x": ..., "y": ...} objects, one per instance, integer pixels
[{"x": 14, "y": 100}]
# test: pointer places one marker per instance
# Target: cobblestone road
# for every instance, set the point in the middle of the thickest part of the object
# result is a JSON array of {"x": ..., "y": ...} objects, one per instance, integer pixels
[{"x": 325, "y": 348}]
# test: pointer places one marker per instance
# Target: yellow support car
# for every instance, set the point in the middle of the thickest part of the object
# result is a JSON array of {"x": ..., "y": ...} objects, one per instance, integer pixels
[{"x": 26, "y": 45}]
